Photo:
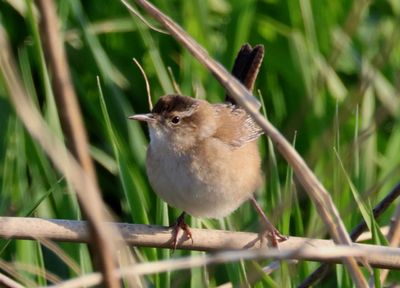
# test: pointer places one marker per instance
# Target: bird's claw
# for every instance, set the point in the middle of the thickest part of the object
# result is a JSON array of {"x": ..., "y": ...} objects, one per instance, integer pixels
[
  {"x": 273, "y": 235},
  {"x": 180, "y": 224}
]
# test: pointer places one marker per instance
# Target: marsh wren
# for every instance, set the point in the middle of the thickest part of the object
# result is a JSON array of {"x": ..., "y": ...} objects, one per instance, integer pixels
[{"x": 203, "y": 158}]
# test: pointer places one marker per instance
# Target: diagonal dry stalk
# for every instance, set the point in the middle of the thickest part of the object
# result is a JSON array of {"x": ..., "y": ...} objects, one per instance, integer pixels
[
  {"x": 323, "y": 270},
  {"x": 75, "y": 133},
  {"x": 312, "y": 185},
  {"x": 87, "y": 190},
  {"x": 12, "y": 271}
]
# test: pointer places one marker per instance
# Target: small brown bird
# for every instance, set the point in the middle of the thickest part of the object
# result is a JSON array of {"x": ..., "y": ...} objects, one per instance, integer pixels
[{"x": 203, "y": 158}]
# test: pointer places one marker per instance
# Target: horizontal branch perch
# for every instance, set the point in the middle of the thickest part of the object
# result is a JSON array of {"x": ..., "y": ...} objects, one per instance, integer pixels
[{"x": 203, "y": 239}]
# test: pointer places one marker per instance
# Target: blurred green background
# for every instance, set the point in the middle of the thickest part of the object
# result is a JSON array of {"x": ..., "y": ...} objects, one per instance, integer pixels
[{"x": 330, "y": 83}]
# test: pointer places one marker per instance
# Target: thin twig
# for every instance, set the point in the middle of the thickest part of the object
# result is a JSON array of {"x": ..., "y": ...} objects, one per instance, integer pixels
[
  {"x": 333, "y": 252},
  {"x": 137, "y": 14},
  {"x": 174, "y": 84},
  {"x": 146, "y": 81},
  {"x": 315, "y": 189}
]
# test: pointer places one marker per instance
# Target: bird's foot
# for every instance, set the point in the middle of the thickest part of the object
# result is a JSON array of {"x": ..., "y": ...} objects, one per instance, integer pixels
[
  {"x": 272, "y": 234},
  {"x": 180, "y": 224},
  {"x": 269, "y": 231}
]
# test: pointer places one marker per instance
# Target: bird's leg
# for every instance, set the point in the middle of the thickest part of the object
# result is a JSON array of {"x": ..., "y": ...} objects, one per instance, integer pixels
[
  {"x": 180, "y": 224},
  {"x": 273, "y": 234}
]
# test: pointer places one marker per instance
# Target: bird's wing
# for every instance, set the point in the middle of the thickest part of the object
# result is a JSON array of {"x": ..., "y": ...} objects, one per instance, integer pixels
[{"x": 238, "y": 128}]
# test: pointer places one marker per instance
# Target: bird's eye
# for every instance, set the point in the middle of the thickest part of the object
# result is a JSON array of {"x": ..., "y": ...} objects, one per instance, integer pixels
[{"x": 175, "y": 120}]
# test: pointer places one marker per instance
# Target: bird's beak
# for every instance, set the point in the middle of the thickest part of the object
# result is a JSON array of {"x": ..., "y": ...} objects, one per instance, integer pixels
[{"x": 149, "y": 117}]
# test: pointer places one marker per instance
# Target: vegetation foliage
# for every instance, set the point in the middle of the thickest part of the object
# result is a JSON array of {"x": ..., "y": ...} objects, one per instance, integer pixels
[{"x": 330, "y": 82}]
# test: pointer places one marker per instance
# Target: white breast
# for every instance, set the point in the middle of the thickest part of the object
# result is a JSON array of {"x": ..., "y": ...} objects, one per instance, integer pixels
[{"x": 187, "y": 183}]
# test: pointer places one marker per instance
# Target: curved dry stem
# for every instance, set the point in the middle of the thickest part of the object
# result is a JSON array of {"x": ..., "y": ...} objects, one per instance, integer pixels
[
  {"x": 174, "y": 84},
  {"x": 147, "y": 83}
]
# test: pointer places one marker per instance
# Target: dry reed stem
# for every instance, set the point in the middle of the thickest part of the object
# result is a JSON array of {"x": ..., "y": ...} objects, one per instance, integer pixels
[
  {"x": 75, "y": 133},
  {"x": 314, "y": 188},
  {"x": 55, "y": 149},
  {"x": 204, "y": 239},
  {"x": 326, "y": 253}
]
